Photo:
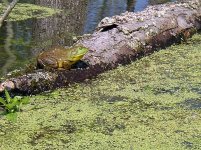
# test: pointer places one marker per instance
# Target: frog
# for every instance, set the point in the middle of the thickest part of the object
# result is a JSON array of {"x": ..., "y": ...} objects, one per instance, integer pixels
[{"x": 60, "y": 57}]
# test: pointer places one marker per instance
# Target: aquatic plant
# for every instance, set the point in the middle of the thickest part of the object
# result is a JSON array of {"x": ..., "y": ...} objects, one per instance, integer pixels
[{"x": 12, "y": 105}]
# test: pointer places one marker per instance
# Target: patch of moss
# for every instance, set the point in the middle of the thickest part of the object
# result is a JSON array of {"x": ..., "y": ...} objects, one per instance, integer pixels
[
  {"x": 24, "y": 11},
  {"x": 153, "y": 103}
]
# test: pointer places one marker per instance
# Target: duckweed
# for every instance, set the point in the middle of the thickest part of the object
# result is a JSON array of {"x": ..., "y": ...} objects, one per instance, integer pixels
[
  {"x": 24, "y": 11},
  {"x": 153, "y": 103}
]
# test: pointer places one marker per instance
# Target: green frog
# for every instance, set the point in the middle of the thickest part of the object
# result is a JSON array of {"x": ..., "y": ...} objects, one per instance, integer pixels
[{"x": 60, "y": 57}]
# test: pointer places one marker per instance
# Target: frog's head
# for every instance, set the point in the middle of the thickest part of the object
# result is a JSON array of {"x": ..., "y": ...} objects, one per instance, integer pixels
[{"x": 77, "y": 53}]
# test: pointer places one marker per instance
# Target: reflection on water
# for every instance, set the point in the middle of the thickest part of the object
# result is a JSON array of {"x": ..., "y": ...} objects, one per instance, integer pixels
[
  {"x": 98, "y": 9},
  {"x": 7, "y": 48},
  {"x": 14, "y": 45},
  {"x": 21, "y": 41},
  {"x": 140, "y": 5},
  {"x": 59, "y": 29}
]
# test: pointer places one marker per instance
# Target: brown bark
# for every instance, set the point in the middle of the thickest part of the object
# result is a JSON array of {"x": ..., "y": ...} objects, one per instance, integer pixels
[
  {"x": 119, "y": 40},
  {"x": 8, "y": 11}
]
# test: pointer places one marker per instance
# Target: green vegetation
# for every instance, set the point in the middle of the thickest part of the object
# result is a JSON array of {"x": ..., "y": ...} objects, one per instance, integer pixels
[
  {"x": 152, "y": 104},
  {"x": 12, "y": 105},
  {"x": 24, "y": 11}
]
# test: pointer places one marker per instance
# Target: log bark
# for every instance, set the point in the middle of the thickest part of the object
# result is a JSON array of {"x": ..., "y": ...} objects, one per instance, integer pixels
[
  {"x": 8, "y": 11},
  {"x": 119, "y": 40}
]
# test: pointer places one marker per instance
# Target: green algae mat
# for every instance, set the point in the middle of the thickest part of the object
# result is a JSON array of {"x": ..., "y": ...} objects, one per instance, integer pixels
[
  {"x": 24, "y": 11},
  {"x": 152, "y": 104}
]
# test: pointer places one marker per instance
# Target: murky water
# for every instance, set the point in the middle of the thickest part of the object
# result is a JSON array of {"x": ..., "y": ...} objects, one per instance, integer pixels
[{"x": 21, "y": 41}]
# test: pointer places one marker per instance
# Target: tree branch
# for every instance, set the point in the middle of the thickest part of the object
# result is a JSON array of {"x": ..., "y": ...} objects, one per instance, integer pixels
[{"x": 7, "y": 11}]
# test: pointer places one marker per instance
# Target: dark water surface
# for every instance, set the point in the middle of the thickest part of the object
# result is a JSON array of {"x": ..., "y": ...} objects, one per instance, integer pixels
[{"x": 21, "y": 41}]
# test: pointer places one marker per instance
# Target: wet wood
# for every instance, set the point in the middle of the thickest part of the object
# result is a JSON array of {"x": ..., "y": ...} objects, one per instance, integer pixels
[{"x": 119, "y": 40}]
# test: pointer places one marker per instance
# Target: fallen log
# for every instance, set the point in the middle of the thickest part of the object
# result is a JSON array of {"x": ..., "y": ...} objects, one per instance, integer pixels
[{"x": 118, "y": 40}]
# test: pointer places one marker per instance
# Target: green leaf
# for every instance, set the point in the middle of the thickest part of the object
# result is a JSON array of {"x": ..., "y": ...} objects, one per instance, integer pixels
[
  {"x": 2, "y": 101},
  {"x": 18, "y": 97},
  {"x": 12, "y": 106},
  {"x": 12, "y": 100},
  {"x": 8, "y": 98}
]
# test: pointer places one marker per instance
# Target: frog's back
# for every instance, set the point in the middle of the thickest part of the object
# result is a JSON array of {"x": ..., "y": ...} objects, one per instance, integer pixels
[{"x": 59, "y": 53}]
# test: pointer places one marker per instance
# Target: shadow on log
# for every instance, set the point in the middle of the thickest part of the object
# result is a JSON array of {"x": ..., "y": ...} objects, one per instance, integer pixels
[{"x": 119, "y": 40}]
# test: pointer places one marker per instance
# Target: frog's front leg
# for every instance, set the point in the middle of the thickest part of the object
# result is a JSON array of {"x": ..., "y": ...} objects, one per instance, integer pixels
[{"x": 67, "y": 64}]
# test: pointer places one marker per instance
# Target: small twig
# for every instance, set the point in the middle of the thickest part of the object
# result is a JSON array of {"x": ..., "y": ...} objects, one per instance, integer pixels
[{"x": 7, "y": 11}]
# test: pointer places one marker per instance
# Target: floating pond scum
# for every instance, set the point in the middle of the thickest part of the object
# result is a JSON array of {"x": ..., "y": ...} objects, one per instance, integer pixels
[
  {"x": 23, "y": 11},
  {"x": 151, "y": 104},
  {"x": 144, "y": 105}
]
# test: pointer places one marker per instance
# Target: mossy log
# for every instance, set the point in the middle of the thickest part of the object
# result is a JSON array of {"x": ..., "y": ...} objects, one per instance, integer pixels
[{"x": 119, "y": 40}]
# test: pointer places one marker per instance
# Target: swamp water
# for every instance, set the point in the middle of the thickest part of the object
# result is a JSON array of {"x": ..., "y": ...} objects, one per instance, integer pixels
[{"x": 153, "y": 103}]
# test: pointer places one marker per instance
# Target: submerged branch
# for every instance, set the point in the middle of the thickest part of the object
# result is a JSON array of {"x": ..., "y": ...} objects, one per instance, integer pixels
[
  {"x": 7, "y": 47},
  {"x": 8, "y": 11}
]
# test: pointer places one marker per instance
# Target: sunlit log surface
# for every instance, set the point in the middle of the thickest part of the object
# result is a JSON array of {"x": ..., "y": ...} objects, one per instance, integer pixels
[{"x": 119, "y": 40}]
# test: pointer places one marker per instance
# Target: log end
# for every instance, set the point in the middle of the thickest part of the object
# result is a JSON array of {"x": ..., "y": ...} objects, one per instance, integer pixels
[{"x": 7, "y": 85}]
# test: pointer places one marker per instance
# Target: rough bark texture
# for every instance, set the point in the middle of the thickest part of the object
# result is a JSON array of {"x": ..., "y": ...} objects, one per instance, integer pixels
[{"x": 119, "y": 40}]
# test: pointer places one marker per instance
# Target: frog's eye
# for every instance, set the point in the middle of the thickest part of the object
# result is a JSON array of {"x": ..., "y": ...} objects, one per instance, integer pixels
[{"x": 79, "y": 48}]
